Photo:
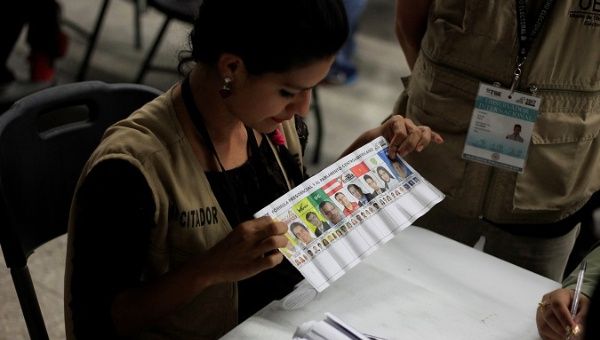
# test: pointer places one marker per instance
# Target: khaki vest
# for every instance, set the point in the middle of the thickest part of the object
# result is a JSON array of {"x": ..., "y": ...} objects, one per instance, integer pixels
[
  {"x": 469, "y": 41},
  {"x": 188, "y": 217}
]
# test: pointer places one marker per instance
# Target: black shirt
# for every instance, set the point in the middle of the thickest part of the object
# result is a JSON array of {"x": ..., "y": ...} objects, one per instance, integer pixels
[{"x": 115, "y": 217}]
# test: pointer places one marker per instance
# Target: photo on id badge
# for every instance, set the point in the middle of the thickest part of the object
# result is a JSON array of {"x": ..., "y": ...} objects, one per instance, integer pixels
[{"x": 501, "y": 128}]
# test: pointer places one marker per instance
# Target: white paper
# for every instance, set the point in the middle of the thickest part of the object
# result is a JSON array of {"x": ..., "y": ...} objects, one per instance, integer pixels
[
  {"x": 332, "y": 328},
  {"x": 332, "y": 227}
]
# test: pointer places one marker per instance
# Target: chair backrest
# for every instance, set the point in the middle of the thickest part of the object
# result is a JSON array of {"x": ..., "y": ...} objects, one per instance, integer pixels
[{"x": 45, "y": 139}]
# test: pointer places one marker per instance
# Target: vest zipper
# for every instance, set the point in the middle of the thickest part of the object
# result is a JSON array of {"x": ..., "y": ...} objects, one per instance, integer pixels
[{"x": 534, "y": 89}]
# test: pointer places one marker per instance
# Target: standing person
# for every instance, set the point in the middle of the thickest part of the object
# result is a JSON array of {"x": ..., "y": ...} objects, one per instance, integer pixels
[
  {"x": 46, "y": 42},
  {"x": 344, "y": 70},
  {"x": 529, "y": 218},
  {"x": 162, "y": 234}
]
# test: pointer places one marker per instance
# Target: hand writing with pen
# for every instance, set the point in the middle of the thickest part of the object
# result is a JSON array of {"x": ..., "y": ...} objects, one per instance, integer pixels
[{"x": 554, "y": 319}]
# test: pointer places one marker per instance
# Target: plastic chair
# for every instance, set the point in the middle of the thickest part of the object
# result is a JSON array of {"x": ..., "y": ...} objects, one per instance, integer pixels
[
  {"x": 92, "y": 36},
  {"x": 183, "y": 10},
  {"x": 45, "y": 139}
]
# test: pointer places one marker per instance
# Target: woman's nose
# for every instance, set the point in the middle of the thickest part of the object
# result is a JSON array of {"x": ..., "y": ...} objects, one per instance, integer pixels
[{"x": 301, "y": 104}]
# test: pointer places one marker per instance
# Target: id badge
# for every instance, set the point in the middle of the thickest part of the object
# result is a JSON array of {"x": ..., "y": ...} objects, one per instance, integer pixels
[{"x": 501, "y": 127}]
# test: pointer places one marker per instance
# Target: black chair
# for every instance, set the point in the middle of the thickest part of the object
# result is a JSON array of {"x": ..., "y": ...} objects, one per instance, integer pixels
[
  {"x": 92, "y": 36},
  {"x": 183, "y": 10},
  {"x": 45, "y": 139}
]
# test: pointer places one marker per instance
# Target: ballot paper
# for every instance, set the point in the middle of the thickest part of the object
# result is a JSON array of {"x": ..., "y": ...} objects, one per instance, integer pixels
[
  {"x": 345, "y": 212},
  {"x": 331, "y": 328}
]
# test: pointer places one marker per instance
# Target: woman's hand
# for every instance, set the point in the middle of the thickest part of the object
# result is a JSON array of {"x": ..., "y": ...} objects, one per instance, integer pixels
[
  {"x": 404, "y": 136},
  {"x": 249, "y": 249},
  {"x": 553, "y": 317}
]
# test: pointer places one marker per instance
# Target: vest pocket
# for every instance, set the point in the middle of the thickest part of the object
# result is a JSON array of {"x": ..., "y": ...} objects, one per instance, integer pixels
[
  {"x": 563, "y": 164},
  {"x": 450, "y": 13},
  {"x": 439, "y": 98}
]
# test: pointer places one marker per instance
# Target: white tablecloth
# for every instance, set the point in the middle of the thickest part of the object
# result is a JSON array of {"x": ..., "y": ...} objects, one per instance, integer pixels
[{"x": 419, "y": 285}]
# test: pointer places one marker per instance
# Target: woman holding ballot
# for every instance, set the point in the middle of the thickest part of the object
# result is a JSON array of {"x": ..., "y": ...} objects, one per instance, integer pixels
[{"x": 162, "y": 238}]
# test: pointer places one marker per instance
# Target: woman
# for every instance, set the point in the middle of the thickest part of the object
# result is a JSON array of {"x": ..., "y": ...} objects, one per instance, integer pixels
[
  {"x": 162, "y": 232},
  {"x": 386, "y": 177},
  {"x": 349, "y": 206},
  {"x": 400, "y": 169}
]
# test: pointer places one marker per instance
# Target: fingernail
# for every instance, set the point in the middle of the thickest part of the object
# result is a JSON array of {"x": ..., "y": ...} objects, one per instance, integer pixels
[{"x": 419, "y": 148}]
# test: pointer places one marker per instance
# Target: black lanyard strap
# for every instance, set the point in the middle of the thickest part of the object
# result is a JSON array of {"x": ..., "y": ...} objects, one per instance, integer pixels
[
  {"x": 526, "y": 36},
  {"x": 196, "y": 117}
]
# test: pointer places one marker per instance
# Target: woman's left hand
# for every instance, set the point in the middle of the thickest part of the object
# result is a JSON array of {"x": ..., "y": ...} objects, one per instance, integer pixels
[{"x": 404, "y": 136}]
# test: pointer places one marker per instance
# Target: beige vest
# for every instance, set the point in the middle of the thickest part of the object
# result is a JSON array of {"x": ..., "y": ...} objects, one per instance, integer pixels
[
  {"x": 188, "y": 217},
  {"x": 470, "y": 41}
]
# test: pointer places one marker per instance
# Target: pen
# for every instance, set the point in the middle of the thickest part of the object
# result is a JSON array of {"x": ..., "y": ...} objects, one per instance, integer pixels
[{"x": 578, "y": 289}]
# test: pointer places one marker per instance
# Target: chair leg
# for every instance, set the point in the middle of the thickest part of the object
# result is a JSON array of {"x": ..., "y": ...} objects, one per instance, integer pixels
[
  {"x": 146, "y": 65},
  {"x": 92, "y": 42},
  {"x": 140, "y": 6},
  {"x": 317, "y": 109},
  {"x": 29, "y": 303}
]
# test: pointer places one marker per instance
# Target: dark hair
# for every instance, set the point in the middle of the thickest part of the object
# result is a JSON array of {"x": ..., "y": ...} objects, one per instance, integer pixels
[
  {"x": 269, "y": 35},
  {"x": 297, "y": 224},
  {"x": 380, "y": 168},
  {"x": 367, "y": 176},
  {"x": 310, "y": 213},
  {"x": 339, "y": 193},
  {"x": 355, "y": 187},
  {"x": 322, "y": 204}
]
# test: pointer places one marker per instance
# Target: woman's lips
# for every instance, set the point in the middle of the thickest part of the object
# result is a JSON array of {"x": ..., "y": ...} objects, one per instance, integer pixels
[{"x": 279, "y": 121}]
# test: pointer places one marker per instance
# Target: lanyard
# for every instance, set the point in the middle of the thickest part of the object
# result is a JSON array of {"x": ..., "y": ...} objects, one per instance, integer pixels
[
  {"x": 526, "y": 36},
  {"x": 196, "y": 117}
]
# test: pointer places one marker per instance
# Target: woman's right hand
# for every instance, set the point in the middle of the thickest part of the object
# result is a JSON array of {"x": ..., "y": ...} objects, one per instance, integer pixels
[
  {"x": 249, "y": 249},
  {"x": 553, "y": 317}
]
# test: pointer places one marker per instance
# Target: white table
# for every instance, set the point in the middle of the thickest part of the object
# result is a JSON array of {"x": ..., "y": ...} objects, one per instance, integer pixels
[{"x": 419, "y": 285}]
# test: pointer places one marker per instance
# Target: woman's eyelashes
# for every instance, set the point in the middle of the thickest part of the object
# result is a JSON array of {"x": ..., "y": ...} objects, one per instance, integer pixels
[{"x": 286, "y": 93}]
